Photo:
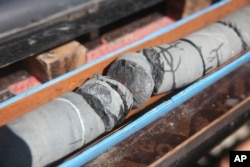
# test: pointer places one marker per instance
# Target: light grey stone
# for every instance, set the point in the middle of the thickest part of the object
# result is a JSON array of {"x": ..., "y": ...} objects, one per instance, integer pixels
[
  {"x": 49, "y": 132},
  {"x": 174, "y": 65},
  {"x": 240, "y": 22}
]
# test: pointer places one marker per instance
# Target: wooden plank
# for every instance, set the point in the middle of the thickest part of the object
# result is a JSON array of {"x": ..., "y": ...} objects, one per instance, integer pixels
[
  {"x": 179, "y": 154},
  {"x": 196, "y": 23},
  {"x": 56, "y": 62},
  {"x": 66, "y": 84},
  {"x": 192, "y": 6},
  {"x": 184, "y": 8}
]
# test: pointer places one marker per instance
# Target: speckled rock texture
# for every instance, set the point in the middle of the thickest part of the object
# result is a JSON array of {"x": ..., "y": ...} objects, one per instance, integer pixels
[
  {"x": 106, "y": 101},
  {"x": 126, "y": 96},
  {"x": 134, "y": 71}
]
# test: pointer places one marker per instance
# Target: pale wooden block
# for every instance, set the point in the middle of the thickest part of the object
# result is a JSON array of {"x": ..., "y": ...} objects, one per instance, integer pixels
[{"x": 56, "y": 62}]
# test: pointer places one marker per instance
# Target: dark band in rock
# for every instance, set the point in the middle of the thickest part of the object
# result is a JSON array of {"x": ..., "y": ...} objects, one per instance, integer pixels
[
  {"x": 210, "y": 49},
  {"x": 240, "y": 22},
  {"x": 104, "y": 100},
  {"x": 226, "y": 37},
  {"x": 133, "y": 71},
  {"x": 124, "y": 93},
  {"x": 171, "y": 65},
  {"x": 199, "y": 50},
  {"x": 217, "y": 43}
]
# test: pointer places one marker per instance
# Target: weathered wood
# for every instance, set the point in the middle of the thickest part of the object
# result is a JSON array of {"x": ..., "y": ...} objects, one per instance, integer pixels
[
  {"x": 56, "y": 62},
  {"x": 54, "y": 23},
  {"x": 45, "y": 95},
  {"x": 183, "y": 8},
  {"x": 192, "y": 6},
  {"x": 218, "y": 126}
]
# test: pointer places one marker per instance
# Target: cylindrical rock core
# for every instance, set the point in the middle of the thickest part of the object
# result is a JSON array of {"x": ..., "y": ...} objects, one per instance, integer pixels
[
  {"x": 174, "y": 65},
  {"x": 106, "y": 102},
  {"x": 49, "y": 132},
  {"x": 123, "y": 91},
  {"x": 228, "y": 40},
  {"x": 214, "y": 44},
  {"x": 240, "y": 22},
  {"x": 133, "y": 71}
]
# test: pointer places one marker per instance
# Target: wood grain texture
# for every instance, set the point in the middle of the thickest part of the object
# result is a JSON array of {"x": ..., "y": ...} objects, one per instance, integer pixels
[
  {"x": 56, "y": 62},
  {"x": 192, "y": 6},
  {"x": 187, "y": 147},
  {"x": 20, "y": 107}
]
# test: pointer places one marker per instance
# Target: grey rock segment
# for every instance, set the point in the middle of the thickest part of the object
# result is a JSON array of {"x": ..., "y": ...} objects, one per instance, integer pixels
[
  {"x": 123, "y": 91},
  {"x": 174, "y": 65},
  {"x": 240, "y": 22},
  {"x": 133, "y": 71},
  {"x": 106, "y": 102},
  {"x": 217, "y": 43},
  {"x": 49, "y": 132},
  {"x": 92, "y": 123}
]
